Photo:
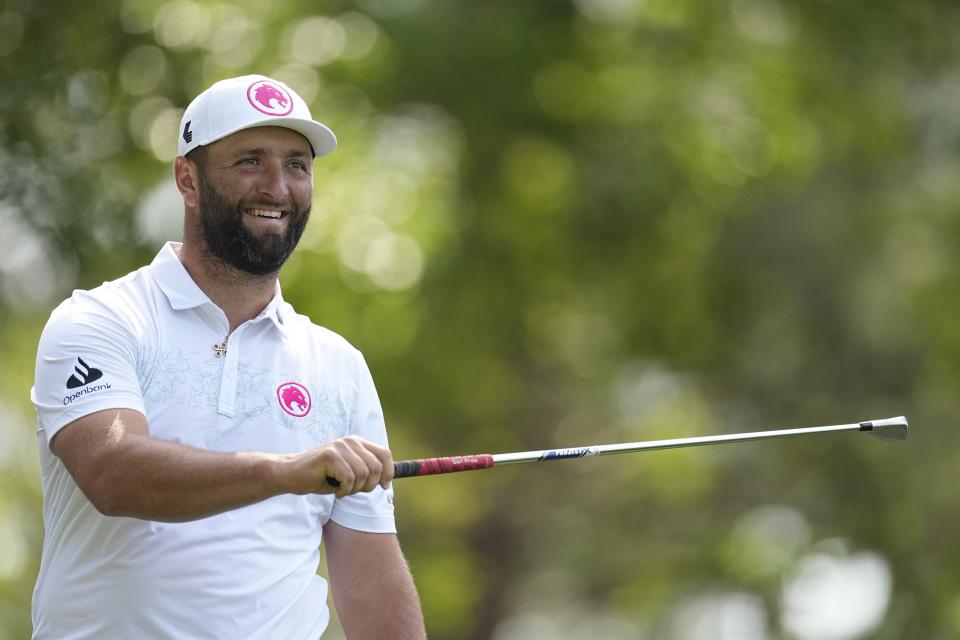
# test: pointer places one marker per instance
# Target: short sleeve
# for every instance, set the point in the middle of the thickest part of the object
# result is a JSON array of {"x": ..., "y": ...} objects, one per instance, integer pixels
[
  {"x": 371, "y": 512},
  {"x": 86, "y": 362}
]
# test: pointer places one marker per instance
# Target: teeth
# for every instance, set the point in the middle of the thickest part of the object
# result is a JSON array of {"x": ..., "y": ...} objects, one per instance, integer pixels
[{"x": 266, "y": 213}]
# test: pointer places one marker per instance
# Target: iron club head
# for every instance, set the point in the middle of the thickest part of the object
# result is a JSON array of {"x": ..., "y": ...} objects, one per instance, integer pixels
[{"x": 888, "y": 428}]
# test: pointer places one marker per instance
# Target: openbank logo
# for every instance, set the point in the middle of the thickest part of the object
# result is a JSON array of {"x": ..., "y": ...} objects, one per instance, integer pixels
[{"x": 84, "y": 374}]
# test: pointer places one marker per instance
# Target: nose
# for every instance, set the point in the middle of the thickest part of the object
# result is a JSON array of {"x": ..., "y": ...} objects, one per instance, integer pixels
[{"x": 273, "y": 183}]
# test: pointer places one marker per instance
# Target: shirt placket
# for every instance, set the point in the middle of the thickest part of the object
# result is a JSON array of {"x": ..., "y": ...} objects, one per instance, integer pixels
[{"x": 229, "y": 374}]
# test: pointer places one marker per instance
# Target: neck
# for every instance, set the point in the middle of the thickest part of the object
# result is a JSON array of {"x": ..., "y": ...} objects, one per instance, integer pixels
[{"x": 241, "y": 296}]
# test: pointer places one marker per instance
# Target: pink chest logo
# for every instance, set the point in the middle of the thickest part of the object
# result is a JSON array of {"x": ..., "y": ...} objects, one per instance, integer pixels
[
  {"x": 294, "y": 399},
  {"x": 269, "y": 98}
]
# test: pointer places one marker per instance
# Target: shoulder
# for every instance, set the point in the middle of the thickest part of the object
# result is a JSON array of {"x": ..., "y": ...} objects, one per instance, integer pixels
[
  {"x": 304, "y": 328},
  {"x": 125, "y": 289},
  {"x": 326, "y": 345},
  {"x": 112, "y": 305}
]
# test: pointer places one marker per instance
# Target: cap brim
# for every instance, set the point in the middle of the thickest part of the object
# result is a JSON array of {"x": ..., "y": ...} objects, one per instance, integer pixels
[{"x": 321, "y": 138}]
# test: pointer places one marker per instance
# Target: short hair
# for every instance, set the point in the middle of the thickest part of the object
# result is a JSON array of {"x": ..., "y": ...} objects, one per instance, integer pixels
[{"x": 198, "y": 156}]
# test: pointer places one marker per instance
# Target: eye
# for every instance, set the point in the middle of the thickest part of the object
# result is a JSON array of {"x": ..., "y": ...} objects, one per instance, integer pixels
[
  {"x": 249, "y": 162},
  {"x": 298, "y": 164}
]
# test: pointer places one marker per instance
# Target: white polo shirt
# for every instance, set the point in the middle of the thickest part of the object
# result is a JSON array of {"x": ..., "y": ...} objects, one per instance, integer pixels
[{"x": 146, "y": 342}]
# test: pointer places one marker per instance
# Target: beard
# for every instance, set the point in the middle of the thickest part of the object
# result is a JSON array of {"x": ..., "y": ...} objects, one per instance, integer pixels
[{"x": 228, "y": 239}]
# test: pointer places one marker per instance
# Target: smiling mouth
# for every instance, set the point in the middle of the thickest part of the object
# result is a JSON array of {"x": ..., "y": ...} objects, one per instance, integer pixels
[{"x": 266, "y": 213}]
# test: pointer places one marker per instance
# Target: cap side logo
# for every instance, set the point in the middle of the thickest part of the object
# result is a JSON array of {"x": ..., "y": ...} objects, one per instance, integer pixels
[
  {"x": 83, "y": 374},
  {"x": 187, "y": 134},
  {"x": 294, "y": 399},
  {"x": 269, "y": 98}
]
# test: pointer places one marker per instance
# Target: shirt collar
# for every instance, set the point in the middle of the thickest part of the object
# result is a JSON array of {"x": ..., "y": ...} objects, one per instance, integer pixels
[
  {"x": 183, "y": 293},
  {"x": 276, "y": 310}
]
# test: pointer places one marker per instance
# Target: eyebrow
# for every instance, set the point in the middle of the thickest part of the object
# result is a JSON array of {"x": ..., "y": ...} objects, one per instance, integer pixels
[{"x": 261, "y": 151}]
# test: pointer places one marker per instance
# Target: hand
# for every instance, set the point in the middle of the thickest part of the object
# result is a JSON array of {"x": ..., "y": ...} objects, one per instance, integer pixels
[{"x": 356, "y": 464}]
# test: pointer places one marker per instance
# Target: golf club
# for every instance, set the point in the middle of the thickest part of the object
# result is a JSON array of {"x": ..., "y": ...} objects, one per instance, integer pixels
[{"x": 886, "y": 429}]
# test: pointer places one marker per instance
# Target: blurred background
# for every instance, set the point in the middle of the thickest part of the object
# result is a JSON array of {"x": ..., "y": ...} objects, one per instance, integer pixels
[{"x": 559, "y": 223}]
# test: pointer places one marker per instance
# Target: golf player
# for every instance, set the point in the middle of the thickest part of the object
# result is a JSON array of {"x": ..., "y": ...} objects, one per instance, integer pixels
[{"x": 189, "y": 419}]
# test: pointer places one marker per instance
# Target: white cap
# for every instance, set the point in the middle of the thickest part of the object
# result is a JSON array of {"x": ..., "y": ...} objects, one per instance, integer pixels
[{"x": 240, "y": 103}]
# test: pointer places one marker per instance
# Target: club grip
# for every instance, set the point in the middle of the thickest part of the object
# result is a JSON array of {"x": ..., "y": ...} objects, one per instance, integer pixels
[{"x": 433, "y": 466}]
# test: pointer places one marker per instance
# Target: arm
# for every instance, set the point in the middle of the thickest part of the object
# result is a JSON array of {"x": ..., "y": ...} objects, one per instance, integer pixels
[
  {"x": 373, "y": 590},
  {"x": 124, "y": 471}
]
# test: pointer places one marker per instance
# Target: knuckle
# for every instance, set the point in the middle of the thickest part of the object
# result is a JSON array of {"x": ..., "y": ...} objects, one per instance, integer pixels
[
  {"x": 331, "y": 450},
  {"x": 355, "y": 442}
]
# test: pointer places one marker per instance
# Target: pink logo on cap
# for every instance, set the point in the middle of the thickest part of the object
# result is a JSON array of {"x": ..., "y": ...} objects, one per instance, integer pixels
[
  {"x": 269, "y": 98},
  {"x": 294, "y": 399}
]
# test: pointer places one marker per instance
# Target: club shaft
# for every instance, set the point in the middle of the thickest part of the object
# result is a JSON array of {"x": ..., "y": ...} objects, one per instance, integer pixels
[
  {"x": 653, "y": 445},
  {"x": 890, "y": 427}
]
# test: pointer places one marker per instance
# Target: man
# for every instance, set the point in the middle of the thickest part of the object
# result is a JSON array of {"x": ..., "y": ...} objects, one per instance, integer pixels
[{"x": 189, "y": 419}]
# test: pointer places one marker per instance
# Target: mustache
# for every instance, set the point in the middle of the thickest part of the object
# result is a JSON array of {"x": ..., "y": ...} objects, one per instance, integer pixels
[{"x": 284, "y": 205}]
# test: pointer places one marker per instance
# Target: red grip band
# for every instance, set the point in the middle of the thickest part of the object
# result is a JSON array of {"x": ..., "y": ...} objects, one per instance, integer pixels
[{"x": 430, "y": 466}]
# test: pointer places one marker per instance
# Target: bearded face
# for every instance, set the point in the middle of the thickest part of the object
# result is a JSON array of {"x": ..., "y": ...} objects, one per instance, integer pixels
[{"x": 233, "y": 240}]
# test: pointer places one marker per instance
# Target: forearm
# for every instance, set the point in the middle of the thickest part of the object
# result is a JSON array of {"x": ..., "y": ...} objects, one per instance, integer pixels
[
  {"x": 372, "y": 587},
  {"x": 159, "y": 480},
  {"x": 388, "y": 607}
]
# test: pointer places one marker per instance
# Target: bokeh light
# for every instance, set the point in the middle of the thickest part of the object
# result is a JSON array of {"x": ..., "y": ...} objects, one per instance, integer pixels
[
  {"x": 836, "y": 595},
  {"x": 143, "y": 69},
  {"x": 721, "y": 616}
]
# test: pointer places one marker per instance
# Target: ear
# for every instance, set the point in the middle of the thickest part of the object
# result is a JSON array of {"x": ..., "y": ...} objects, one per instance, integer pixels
[{"x": 187, "y": 175}]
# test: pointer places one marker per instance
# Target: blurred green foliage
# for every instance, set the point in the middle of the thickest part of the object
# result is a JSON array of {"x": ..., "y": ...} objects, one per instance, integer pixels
[{"x": 554, "y": 224}]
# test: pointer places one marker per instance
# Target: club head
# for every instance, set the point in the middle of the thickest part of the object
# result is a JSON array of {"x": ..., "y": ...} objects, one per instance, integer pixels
[{"x": 888, "y": 428}]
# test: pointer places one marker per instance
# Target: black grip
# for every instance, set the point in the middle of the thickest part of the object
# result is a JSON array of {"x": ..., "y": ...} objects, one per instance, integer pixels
[
  {"x": 402, "y": 469},
  {"x": 405, "y": 468}
]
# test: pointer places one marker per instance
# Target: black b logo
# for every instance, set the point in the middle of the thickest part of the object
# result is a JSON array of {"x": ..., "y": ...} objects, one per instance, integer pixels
[{"x": 84, "y": 374}]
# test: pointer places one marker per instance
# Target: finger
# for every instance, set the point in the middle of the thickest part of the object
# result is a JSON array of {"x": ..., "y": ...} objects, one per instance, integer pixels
[
  {"x": 337, "y": 473},
  {"x": 355, "y": 472},
  {"x": 384, "y": 458},
  {"x": 372, "y": 462},
  {"x": 338, "y": 476},
  {"x": 366, "y": 467},
  {"x": 386, "y": 464}
]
